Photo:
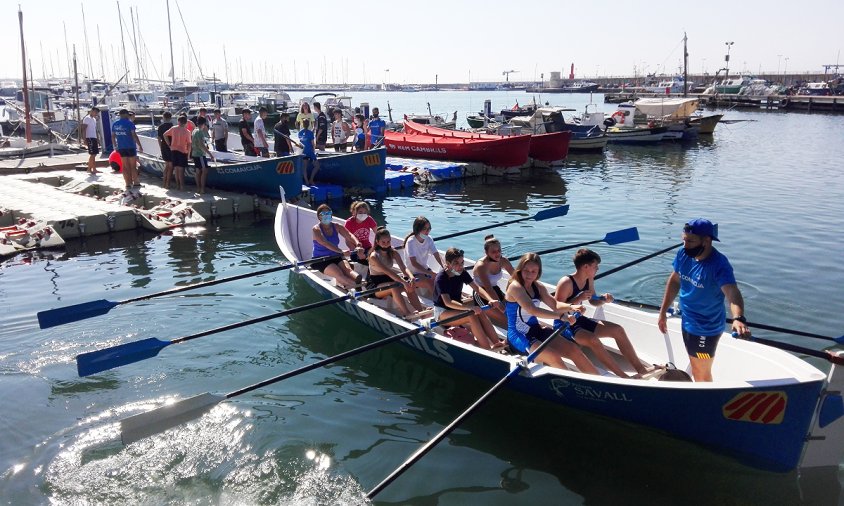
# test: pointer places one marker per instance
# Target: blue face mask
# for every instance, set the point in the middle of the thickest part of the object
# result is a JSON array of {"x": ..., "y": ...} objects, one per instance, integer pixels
[{"x": 325, "y": 218}]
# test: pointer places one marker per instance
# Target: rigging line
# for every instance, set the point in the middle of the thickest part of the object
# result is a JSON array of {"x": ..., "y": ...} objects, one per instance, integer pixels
[
  {"x": 187, "y": 34},
  {"x": 670, "y": 55}
]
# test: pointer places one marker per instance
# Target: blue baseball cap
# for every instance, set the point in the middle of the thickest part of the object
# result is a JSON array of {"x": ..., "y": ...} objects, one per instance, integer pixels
[{"x": 702, "y": 227}]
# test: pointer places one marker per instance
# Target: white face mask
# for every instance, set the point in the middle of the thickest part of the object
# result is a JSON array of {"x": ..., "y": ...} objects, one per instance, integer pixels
[{"x": 361, "y": 217}]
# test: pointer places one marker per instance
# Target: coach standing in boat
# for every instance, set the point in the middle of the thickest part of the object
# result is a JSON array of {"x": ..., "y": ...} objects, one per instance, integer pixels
[{"x": 703, "y": 277}]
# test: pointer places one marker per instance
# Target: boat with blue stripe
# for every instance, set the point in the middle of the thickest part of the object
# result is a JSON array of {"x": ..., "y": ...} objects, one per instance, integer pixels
[{"x": 766, "y": 408}]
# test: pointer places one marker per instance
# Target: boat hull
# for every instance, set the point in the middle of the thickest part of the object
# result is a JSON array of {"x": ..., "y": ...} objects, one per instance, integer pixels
[
  {"x": 504, "y": 152},
  {"x": 621, "y": 135},
  {"x": 258, "y": 176},
  {"x": 762, "y": 423},
  {"x": 360, "y": 170},
  {"x": 547, "y": 147}
]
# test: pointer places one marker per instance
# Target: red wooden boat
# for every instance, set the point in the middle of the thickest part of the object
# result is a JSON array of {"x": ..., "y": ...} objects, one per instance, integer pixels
[
  {"x": 496, "y": 152},
  {"x": 550, "y": 147}
]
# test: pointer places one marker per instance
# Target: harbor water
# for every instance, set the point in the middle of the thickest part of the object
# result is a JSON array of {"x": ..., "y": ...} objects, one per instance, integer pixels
[{"x": 772, "y": 181}]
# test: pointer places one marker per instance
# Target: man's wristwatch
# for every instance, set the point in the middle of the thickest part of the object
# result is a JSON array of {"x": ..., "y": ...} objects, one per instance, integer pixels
[{"x": 740, "y": 319}]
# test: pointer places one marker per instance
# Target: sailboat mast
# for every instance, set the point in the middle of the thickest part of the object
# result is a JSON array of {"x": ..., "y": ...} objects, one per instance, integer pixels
[
  {"x": 122, "y": 42},
  {"x": 100, "y": 44},
  {"x": 87, "y": 47},
  {"x": 685, "y": 66},
  {"x": 27, "y": 128},
  {"x": 170, "y": 34},
  {"x": 76, "y": 104},
  {"x": 135, "y": 43}
]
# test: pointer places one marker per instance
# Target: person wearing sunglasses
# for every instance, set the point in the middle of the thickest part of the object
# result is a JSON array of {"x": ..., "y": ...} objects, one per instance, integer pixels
[{"x": 703, "y": 277}]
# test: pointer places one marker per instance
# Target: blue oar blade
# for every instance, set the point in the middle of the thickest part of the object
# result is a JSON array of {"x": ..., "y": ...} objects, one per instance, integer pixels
[
  {"x": 551, "y": 213},
  {"x": 116, "y": 356},
  {"x": 74, "y": 313},
  {"x": 620, "y": 236}
]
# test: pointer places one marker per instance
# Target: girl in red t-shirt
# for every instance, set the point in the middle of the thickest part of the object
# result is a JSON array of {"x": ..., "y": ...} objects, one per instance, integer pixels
[{"x": 360, "y": 224}]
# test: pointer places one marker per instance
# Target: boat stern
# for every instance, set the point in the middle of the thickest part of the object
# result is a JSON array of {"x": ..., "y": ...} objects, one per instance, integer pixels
[{"x": 825, "y": 442}]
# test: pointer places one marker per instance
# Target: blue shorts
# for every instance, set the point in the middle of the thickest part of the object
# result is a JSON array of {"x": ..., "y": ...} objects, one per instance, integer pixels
[
  {"x": 523, "y": 342},
  {"x": 702, "y": 347},
  {"x": 127, "y": 152}
]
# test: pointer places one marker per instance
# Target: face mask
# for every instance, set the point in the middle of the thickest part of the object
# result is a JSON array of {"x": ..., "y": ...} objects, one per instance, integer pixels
[
  {"x": 361, "y": 216},
  {"x": 454, "y": 272},
  {"x": 694, "y": 252},
  {"x": 325, "y": 219}
]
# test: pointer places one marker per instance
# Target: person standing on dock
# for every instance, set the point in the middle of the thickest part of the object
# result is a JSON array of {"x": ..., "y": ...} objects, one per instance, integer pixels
[
  {"x": 262, "y": 146},
  {"x": 339, "y": 131},
  {"x": 360, "y": 133},
  {"x": 91, "y": 138},
  {"x": 166, "y": 154},
  {"x": 246, "y": 138},
  {"x": 703, "y": 276},
  {"x": 220, "y": 132},
  {"x": 126, "y": 142},
  {"x": 375, "y": 128},
  {"x": 281, "y": 134},
  {"x": 179, "y": 139},
  {"x": 199, "y": 150},
  {"x": 321, "y": 134},
  {"x": 309, "y": 158}
]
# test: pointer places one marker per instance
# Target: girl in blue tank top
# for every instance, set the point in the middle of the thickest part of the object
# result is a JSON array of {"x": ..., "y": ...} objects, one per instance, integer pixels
[
  {"x": 524, "y": 332},
  {"x": 326, "y": 243}
]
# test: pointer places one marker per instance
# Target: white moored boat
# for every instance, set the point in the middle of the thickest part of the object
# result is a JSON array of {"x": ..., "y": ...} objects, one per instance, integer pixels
[{"x": 767, "y": 408}]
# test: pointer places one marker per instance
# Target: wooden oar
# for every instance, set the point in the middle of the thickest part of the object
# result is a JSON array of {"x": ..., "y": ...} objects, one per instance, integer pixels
[
  {"x": 835, "y": 358},
  {"x": 471, "y": 409},
  {"x": 158, "y": 420},
  {"x": 76, "y": 312},
  {"x": 135, "y": 351},
  {"x": 839, "y": 339},
  {"x": 554, "y": 212},
  {"x": 617, "y": 237}
]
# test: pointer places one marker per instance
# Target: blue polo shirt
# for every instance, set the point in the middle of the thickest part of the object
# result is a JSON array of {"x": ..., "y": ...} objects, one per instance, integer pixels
[
  {"x": 376, "y": 128},
  {"x": 123, "y": 129},
  {"x": 306, "y": 137},
  {"x": 701, "y": 298}
]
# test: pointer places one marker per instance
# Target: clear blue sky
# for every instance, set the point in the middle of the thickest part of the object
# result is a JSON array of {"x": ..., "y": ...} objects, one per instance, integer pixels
[{"x": 333, "y": 41}]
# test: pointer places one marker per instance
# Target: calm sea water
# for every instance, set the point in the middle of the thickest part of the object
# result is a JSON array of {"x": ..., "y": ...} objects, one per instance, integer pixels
[{"x": 773, "y": 182}]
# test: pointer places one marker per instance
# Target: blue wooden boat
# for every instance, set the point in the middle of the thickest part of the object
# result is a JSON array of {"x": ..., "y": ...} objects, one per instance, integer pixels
[
  {"x": 238, "y": 173},
  {"x": 766, "y": 408},
  {"x": 363, "y": 170}
]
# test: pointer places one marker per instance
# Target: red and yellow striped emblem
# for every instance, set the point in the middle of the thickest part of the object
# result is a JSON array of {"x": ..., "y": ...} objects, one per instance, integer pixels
[
  {"x": 372, "y": 160},
  {"x": 757, "y": 407},
  {"x": 284, "y": 167}
]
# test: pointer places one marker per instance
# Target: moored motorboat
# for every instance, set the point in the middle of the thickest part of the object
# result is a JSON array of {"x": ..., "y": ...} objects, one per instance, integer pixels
[
  {"x": 766, "y": 407},
  {"x": 503, "y": 152},
  {"x": 545, "y": 147}
]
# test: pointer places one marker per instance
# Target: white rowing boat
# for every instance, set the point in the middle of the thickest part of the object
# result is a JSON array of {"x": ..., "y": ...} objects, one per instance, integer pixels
[{"x": 767, "y": 408}]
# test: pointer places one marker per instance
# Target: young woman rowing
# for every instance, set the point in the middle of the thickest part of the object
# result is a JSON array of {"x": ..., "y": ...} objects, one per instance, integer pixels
[
  {"x": 487, "y": 272},
  {"x": 326, "y": 236},
  {"x": 448, "y": 300},
  {"x": 386, "y": 267},
  {"x": 524, "y": 332}
]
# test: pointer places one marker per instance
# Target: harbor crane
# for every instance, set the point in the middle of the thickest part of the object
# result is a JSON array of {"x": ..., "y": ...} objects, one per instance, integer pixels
[{"x": 507, "y": 73}]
